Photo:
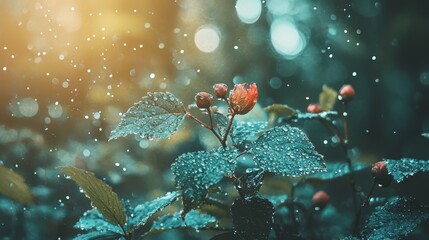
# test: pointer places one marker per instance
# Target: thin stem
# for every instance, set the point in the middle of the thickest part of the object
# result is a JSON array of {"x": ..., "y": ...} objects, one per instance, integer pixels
[
  {"x": 346, "y": 132},
  {"x": 332, "y": 128},
  {"x": 365, "y": 204},
  {"x": 126, "y": 235},
  {"x": 210, "y": 116},
  {"x": 345, "y": 144},
  {"x": 231, "y": 110},
  {"x": 217, "y": 203},
  {"x": 225, "y": 137},
  {"x": 292, "y": 207},
  {"x": 189, "y": 115}
]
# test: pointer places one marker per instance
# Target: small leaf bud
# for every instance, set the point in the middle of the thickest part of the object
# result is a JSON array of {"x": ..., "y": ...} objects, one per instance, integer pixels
[
  {"x": 320, "y": 199},
  {"x": 380, "y": 174},
  {"x": 203, "y": 99},
  {"x": 347, "y": 93},
  {"x": 220, "y": 90},
  {"x": 314, "y": 108}
]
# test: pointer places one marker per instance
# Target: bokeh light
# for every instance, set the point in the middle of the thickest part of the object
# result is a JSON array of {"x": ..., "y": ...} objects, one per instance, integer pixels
[
  {"x": 286, "y": 39},
  {"x": 248, "y": 11},
  {"x": 207, "y": 39}
]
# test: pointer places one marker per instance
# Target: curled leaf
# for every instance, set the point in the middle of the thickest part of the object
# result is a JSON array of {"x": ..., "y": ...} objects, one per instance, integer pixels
[
  {"x": 327, "y": 98},
  {"x": 13, "y": 186},
  {"x": 100, "y": 194}
]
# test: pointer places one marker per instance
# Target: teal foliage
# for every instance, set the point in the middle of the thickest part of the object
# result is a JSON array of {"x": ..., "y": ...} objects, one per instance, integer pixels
[
  {"x": 396, "y": 219},
  {"x": 157, "y": 115},
  {"x": 196, "y": 172},
  {"x": 287, "y": 151},
  {"x": 406, "y": 167}
]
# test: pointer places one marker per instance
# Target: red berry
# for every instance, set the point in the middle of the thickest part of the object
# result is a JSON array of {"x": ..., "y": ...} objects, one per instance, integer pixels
[
  {"x": 347, "y": 93},
  {"x": 220, "y": 90},
  {"x": 203, "y": 99},
  {"x": 314, "y": 108},
  {"x": 380, "y": 174},
  {"x": 320, "y": 199}
]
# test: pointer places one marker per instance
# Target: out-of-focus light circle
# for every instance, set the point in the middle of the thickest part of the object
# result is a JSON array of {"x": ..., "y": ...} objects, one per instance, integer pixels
[
  {"x": 279, "y": 7},
  {"x": 248, "y": 11},
  {"x": 207, "y": 39},
  {"x": 424, "y": 78},
  {"x": 287, "y": 40},
  {"x": 28, "y": 107},
  {"x": 55, "y": 110},
  {"x": 275, "y": 83}
]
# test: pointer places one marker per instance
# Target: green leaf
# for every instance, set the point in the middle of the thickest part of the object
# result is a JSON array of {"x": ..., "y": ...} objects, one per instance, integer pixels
[
  {"x": 336, "y": 170},
  {"x": 250, "y": 182},
  {"x": 13, "y": 186},
  {"x": 99, "y": 236},
  {"x": 157, "y": 115},
  {"x": 247, "y": 131},
  {"x": 281, "y": 110},
  {"x": 286, "y": 150},
  {"x": 94, "y": 220},
  {"x": 196, "y": 172},
  {"x": 144, "y": 211},
  {"x": 100, "y": 194},
  {"x": 276, "y": 111},
  {"x": 221, "y": 122},
  {"x": 327, "y": 98},
  {"x": 252, "y": 218},
  {"x": 396, "y": 219},
  {"x": 405, "y": 167},
  {"x": 193, "y": 219}
]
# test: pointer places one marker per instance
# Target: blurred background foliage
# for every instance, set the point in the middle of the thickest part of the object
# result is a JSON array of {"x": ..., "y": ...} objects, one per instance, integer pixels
[{"x": 69, "y": 69}]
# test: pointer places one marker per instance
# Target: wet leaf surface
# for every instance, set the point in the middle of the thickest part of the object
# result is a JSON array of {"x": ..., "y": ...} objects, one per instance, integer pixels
[
  {"x": 323, "y": 115},
  {"x": 99, "y": 236},
  {"x": 338, "y": 169},
  {"x": 396, "y": 219},
  {"x": 94, "y": 220},
  {"x": 287, "y": 151},
  {"x": 13, "y": 186},
  {"x": 252, "y": 218},
  {"x": 144, "y": 211},
  {"x": 196, "y": 172},
  {"x": 249, "y": 183},
  {"x": 157, "y": 115},
  {"x": 406, "y": 167},
  {"x": 220, "y": 122},
  {"x": 193, "y": 219},
  {"x": 247, "y": 131},
  {"x": 100, "y": 194}
]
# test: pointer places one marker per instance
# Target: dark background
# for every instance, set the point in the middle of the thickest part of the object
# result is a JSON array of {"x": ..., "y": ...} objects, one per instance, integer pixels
[{"x": 95, "y": 51}]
